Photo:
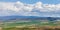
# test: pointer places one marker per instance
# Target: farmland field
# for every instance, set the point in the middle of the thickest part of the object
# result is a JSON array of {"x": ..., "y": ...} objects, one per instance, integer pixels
[{"x": 31, "y": 25}]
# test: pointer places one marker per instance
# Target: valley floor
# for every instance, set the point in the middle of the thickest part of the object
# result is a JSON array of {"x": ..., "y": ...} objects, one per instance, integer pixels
[{"x": 31, "y": 25}]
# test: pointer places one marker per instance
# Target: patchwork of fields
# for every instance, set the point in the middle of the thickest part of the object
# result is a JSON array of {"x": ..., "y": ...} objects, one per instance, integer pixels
[{"x": 31, "y": 25}]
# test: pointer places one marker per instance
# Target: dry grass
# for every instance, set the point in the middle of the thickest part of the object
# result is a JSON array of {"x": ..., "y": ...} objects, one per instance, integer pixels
[{"x": 35, "y": 28}]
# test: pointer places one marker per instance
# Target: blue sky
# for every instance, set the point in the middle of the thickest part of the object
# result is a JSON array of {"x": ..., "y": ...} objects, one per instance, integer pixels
[
  {"x": 41, "y": 8},
  {"x": 34, "y": 1}
]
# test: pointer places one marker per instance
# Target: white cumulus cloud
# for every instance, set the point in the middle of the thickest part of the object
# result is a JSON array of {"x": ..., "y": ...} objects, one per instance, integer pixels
[{"x": 26, "y": 9}]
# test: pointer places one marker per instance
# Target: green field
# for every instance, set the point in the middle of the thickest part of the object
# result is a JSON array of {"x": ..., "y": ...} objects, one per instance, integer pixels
[{"x": 31, "y": 25}]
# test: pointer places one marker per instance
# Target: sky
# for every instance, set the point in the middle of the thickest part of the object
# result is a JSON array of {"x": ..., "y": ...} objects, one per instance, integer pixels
[
  {"x": 41, "y": 8},
  {"x": 33, "y": 1}
]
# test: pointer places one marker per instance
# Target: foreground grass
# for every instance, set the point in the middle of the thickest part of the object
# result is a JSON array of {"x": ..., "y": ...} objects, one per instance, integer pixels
[{"x": 34, "y": 28}]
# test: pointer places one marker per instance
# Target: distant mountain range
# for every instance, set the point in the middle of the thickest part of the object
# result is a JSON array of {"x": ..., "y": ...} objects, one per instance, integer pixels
[{"x": 27, "y": 18}]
